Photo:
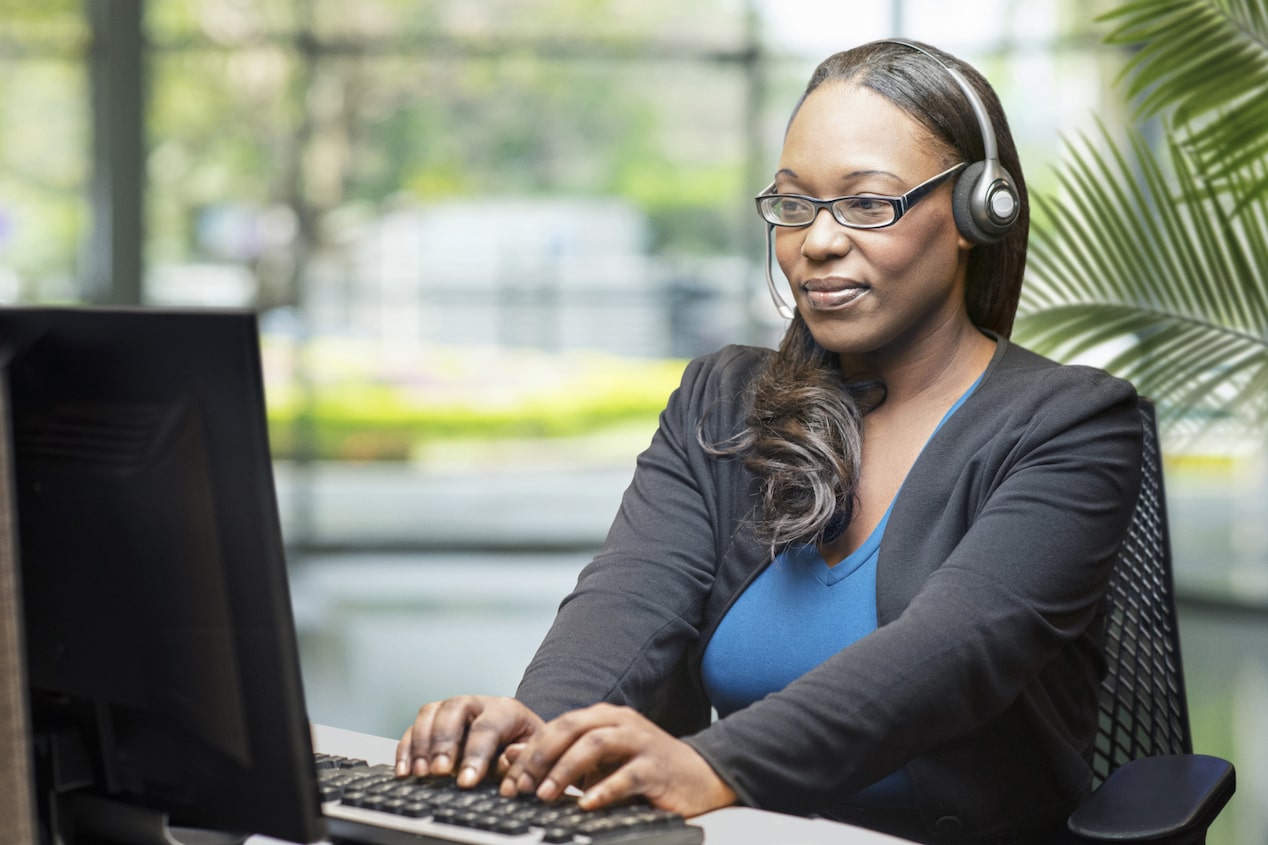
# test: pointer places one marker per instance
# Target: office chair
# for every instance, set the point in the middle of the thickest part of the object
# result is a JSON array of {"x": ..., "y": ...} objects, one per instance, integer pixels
[{"x": 1150, "y": 786}]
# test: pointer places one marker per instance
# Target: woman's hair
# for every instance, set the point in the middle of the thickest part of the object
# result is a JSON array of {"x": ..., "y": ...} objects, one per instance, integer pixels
[{"x": 802, "y": 438}]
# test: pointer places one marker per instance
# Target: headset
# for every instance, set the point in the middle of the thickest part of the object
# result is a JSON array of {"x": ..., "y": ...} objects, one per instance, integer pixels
[{"x": 985, "y": 202}]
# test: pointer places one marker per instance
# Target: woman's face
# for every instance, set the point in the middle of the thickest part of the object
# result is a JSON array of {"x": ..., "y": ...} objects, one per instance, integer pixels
[{"x": 869, "y": 292}]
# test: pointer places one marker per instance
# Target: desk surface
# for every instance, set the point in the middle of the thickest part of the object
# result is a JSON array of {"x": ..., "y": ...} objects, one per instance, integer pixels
[{"x": 729, "y": 826}]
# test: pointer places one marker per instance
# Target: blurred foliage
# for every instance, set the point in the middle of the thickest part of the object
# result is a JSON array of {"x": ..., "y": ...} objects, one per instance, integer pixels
[
  {"x": 316, "y": 105},
  {"x": 56, "y": 25},
  {"x": 377, "y": 403},
  {"x": 44, "y": 156},
  {"x": 1152, "y": 258}
]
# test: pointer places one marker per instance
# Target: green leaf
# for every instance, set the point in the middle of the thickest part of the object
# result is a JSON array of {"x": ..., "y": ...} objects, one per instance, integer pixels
[
  {"x": 1203, "y": 66},
  {"x": 1159, "y": 275}
]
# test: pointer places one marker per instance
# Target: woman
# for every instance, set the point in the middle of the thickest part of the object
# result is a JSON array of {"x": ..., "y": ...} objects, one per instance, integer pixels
[{"x": 879, "y": 553}]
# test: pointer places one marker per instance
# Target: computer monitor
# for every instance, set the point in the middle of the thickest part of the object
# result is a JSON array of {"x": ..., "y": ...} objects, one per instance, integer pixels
[{"x": 161, "y": 654}]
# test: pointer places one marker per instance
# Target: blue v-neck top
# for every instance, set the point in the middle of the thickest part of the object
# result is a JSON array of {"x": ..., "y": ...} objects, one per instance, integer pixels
[{"x": 796, "y": 614}]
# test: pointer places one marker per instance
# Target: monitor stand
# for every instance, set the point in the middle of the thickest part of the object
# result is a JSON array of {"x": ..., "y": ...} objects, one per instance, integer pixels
[
  {"x": 115, "y": 821},
  {"x": 72, "y": 813}
]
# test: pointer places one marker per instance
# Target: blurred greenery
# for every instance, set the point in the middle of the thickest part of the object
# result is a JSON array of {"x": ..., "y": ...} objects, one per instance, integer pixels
[
  {"x": 363, "y": 409},
  {"x": 315, "y": 106},
  {"x": 1152, "y": 257}
]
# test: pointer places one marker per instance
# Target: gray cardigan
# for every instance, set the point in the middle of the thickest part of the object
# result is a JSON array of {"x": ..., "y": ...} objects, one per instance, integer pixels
[{"x": 981, "y": 678}]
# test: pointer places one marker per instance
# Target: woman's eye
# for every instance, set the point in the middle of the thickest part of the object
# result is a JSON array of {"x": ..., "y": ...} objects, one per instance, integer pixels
[
  {"x": 865, "y": 209},
  {"x": 793, "y": 209}
]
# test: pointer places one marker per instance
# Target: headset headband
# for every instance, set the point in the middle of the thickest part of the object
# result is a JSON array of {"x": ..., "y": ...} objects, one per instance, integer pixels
[{"x": 986, "y": 203}]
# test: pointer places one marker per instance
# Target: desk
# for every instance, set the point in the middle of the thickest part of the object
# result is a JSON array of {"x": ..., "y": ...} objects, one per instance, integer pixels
[{"x": 728, "y": 826}]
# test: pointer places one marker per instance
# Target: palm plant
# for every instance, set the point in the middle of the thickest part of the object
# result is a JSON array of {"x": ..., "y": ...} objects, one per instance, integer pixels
[{"x": 1154, "y": 258}]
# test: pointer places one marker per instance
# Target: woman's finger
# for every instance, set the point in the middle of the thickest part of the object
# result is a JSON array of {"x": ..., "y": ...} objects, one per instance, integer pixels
[
  {"x": 539, "y": 755},
  {"x": 413, "y": 750},
  {"x": 593, "y": 753},
  {"x": 499, "y": 722},
  {"x": 624, "y": 783},
  {"x": 509, "y": 755},
  {"x": 462, "y": 735},
  {"x": 447, "y": 736}
]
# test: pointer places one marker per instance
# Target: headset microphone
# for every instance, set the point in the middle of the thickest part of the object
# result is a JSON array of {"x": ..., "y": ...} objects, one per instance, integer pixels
[{"x": 785, "y": 310}]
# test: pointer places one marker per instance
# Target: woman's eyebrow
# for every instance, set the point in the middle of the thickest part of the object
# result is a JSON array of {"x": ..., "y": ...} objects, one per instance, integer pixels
[{"x": 789, "y": 173}]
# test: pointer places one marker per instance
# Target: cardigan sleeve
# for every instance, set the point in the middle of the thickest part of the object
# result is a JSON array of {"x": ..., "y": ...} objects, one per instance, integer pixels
[
  {"x": 1018, "y": 578},
  {"x": 626, "y": 626}
]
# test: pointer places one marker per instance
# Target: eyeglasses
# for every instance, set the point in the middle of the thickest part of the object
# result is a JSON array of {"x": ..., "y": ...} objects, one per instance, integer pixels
[{"x": 865, "y": 212}]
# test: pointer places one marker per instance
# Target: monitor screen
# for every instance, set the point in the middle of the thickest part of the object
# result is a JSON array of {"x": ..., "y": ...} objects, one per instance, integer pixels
[{"x": 161, "y": 652}]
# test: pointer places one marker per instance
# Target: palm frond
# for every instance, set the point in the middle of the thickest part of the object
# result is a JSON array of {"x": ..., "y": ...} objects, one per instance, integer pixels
[
  {"x": 1204, "y": 65},
  {"x": 1143, "y": 265},
  {"x": 1192, "y": 56}
]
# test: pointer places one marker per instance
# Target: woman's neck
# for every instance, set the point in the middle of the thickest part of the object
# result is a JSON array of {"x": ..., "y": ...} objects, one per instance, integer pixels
[{"x": 941, "y": 368}]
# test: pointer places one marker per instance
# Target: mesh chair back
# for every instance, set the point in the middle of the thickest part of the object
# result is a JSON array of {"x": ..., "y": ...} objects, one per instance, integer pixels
[{"x": 1143, "y": 709}]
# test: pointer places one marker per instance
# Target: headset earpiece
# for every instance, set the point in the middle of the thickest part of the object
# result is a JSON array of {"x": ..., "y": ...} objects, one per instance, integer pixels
[{"x": 985, "y": 203}]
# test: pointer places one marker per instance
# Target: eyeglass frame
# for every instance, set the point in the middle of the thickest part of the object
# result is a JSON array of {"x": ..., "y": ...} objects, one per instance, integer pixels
[{"x": 900, "y": 204}]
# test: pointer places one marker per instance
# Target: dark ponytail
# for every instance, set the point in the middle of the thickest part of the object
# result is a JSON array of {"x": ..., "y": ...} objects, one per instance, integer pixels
[{"x": 802, "y": 439}]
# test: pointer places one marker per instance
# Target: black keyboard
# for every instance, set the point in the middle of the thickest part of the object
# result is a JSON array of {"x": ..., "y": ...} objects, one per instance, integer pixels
[{"x": 369, "y": 804}]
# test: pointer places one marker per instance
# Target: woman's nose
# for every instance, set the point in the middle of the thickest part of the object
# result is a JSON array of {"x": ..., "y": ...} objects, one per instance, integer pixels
[{"x": 825, "y": 238}]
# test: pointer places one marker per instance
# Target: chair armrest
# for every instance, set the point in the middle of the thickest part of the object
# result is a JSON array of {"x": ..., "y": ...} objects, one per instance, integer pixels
[{"x": 1166, "y": 799}]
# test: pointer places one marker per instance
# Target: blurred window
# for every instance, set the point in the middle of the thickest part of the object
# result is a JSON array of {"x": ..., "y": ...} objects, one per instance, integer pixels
[{"x": 45, "y": 149}]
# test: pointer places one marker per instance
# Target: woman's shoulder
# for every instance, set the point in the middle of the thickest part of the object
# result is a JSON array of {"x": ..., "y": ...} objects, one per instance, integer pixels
[
  {"x": 736, "y": 356},
  {"x": 1026, "y": 395},
  {"x": 1022, "y": 372},
  {"x": 733, "y": 366},
  {"x": 715, "y": 388}
]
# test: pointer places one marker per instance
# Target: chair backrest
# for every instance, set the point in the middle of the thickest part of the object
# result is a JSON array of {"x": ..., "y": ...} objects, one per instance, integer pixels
[{"x": 1143, "y": 710}]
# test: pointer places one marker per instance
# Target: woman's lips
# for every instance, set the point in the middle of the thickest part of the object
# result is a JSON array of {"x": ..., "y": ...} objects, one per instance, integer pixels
[{"x": 831, "y": 294}]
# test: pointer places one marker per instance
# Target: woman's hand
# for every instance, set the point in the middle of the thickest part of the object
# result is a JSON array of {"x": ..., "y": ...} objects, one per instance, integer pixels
[
  {"x": 616, "y": 753},
  {"x": 462, "y": 735}
]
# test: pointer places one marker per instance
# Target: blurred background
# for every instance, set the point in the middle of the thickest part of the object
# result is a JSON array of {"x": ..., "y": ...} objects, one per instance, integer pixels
[{"x": 483, "y": 237}]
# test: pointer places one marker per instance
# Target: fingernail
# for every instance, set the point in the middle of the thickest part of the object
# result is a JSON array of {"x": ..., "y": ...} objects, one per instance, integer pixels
[
  {"x": 525, "y": 784},
  {"x": 440, "y": 764},
  {"x": 402, "y": 768},
  {"x": 420, "y": 767},
  {"x": 467, "y": 777},
  {"x": 547, "y": 790}
]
